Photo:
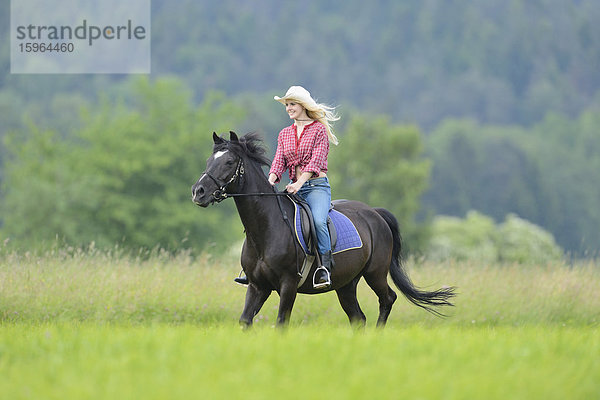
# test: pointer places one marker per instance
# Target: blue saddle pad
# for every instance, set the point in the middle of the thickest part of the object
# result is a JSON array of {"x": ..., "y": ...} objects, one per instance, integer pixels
[{"x": 347, "y": 235}]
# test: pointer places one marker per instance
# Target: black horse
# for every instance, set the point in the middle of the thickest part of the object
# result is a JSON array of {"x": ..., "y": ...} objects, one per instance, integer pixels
[{"x": 271, "y": 255}]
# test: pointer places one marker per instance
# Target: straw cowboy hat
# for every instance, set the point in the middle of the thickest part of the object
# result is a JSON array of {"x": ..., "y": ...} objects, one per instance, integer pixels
[
  {"x": 299, "y": 94},
  {"x": 320, "y": 112}
]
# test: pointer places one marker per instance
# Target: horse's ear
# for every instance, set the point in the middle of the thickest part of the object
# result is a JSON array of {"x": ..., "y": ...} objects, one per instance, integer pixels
[
  {"x": 217, "y": 139},
  {"x": 233, "y": 137}
]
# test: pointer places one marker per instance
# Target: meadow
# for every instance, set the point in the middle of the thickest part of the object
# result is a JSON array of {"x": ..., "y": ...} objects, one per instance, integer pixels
[{"x": 90, "y": 324}]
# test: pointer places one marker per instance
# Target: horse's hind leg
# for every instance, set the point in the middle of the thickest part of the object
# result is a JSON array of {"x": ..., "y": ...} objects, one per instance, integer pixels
[
  {"x": 377, "y": 280},
  {"x": 349, "y": 302}
]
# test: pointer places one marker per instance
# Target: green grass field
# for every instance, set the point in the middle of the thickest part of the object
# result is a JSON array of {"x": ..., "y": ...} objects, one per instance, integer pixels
[{"x": 96, "y": 325}]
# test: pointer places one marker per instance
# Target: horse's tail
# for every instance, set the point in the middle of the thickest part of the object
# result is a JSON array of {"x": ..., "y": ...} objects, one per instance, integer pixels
[{"x": 421, "y": 298}]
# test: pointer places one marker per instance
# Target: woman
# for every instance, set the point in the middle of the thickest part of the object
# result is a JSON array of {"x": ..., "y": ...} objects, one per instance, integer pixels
[{"x": 302, "y": 149}]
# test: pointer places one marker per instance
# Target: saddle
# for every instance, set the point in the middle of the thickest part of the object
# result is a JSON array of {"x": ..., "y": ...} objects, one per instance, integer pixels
[
  {"x": 344, "y": 235},
  {"x": 307, "y": 226}
]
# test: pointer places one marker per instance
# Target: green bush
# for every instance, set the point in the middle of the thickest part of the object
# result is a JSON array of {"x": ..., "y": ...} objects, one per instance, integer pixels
[
  {"x": 520, "y": 241},
  {"x": 472, "y": 238},
  {"x": 477, "y": 237}
]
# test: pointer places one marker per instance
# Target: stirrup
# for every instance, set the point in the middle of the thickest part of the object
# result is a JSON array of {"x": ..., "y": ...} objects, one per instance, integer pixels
[{"x": 323, "y": 285}]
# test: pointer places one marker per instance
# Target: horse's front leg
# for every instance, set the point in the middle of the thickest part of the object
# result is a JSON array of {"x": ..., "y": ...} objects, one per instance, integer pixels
[
  {"x": 255, "y": 298},
  {"x": 287, "y": 297}
]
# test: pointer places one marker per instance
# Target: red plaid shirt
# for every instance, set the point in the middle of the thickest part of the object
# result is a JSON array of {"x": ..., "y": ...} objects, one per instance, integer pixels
[{"x": 309, "y": 152}]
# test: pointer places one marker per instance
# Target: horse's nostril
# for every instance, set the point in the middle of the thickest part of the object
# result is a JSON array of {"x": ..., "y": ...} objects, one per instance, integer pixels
[{"x": 197, "y": 191}]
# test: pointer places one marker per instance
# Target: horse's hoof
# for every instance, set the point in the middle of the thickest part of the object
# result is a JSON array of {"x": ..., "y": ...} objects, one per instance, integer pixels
[{"x": 245, "y": 325}]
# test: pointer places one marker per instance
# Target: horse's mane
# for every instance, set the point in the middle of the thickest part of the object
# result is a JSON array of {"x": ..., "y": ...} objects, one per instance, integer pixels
[{"x": 250, "y": 145}]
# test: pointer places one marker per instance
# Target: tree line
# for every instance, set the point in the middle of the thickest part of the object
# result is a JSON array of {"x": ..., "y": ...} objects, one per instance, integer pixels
[
  {"x": 123, "y": 174},
  {"x": 548, "y": 174}
]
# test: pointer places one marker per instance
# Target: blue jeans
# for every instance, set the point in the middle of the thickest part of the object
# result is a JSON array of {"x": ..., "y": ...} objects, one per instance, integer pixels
[{"x": 317, "y": 193}]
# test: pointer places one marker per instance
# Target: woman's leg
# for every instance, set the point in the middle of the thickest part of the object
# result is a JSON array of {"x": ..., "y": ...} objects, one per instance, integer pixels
[{"x": 317, "y": 194}]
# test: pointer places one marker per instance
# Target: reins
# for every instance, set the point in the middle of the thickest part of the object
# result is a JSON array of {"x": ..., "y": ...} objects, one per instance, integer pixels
[
  {"x": 220, "y": 194},
  {"x": 255, "y": 194}
]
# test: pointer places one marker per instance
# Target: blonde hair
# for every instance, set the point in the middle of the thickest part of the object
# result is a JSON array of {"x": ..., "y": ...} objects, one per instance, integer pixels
[{"x": 324, "y": 114}]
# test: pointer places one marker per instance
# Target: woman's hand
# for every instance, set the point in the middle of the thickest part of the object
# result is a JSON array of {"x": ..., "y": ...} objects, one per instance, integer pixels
[
  {"x": 294, "y": 187},
  {"x": 272, "y": 179}
]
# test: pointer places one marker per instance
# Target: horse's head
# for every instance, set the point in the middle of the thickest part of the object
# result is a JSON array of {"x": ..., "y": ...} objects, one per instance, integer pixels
[{"x": 224, "y": 169}]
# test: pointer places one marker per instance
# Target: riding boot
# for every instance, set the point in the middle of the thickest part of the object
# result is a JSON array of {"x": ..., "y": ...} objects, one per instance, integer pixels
[
  {"x": 322, "y": 278},
  {"x": 242, "y": 279}
]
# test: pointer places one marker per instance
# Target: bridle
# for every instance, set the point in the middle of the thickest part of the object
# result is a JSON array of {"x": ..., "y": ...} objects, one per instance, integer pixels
[{"x": 221, "y": 194}]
